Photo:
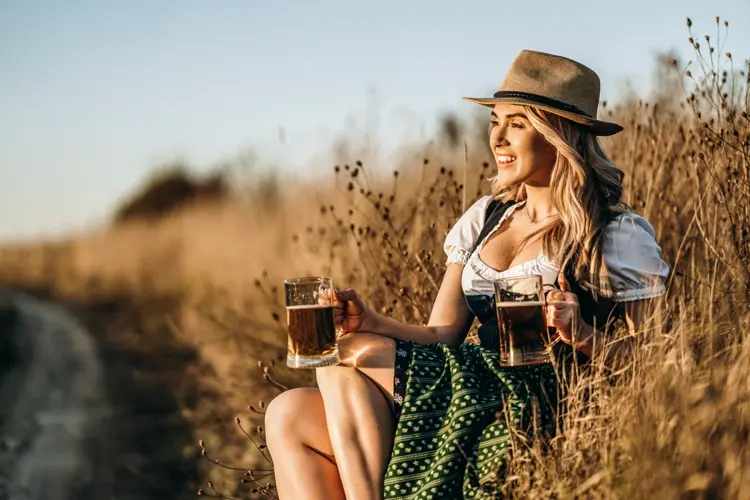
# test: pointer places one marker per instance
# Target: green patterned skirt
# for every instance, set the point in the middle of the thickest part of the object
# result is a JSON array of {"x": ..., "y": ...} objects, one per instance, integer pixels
[{"x": 458, "y": 404}]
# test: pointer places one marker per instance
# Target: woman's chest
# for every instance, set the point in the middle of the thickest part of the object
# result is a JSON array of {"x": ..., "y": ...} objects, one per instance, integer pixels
[{"x": 510, "y": 246}]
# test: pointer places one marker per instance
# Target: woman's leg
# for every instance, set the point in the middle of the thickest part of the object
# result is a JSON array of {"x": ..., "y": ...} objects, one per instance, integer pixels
[
  {"x": 358, "y": 398},
  {"x": 297, "y": 437}
]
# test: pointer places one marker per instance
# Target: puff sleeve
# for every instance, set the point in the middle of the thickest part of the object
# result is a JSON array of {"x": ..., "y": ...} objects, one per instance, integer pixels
[
  {"x": 462, "y": 238},
  {"x": 632, "y": 257}
]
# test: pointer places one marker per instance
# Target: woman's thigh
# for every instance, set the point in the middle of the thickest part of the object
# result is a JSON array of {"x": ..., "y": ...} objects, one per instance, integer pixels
[{"x": 373, "y": 355}]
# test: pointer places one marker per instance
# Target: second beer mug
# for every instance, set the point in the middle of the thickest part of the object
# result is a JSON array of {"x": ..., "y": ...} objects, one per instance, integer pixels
[
  {"x": 309, "y": 316},
  {"x": 525, "y": 338}
]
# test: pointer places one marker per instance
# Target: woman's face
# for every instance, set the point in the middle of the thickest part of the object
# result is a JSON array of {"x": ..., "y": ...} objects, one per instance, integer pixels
[{"x": 521, "y": 153}]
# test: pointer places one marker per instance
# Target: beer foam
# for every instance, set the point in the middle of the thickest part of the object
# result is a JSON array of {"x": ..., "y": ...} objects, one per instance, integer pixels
[
  {"x": 520, "y": 304},
  {"x": 309, "y": 306}
]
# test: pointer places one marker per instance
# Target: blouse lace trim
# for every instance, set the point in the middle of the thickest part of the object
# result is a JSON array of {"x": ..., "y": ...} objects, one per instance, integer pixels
[{"x": 457, "y": 255}]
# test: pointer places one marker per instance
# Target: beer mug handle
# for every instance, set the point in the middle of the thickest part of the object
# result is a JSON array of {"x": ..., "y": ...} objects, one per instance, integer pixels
[{"x": 546, "y": 289}]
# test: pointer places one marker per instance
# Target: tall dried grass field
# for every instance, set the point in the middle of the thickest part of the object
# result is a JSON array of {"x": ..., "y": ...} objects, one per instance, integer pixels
[{"x": 674, "y": 422}]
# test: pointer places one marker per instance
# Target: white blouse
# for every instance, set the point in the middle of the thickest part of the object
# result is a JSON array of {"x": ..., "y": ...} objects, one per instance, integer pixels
[{"x": 634, "y": 267}]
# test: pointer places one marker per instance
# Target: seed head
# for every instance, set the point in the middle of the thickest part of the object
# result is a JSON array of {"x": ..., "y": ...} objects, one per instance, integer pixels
[{"x": 689, "y": 22}]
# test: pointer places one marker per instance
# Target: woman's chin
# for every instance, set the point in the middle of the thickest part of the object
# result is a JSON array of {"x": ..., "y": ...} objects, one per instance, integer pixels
[{"x": 506, "y": 179}]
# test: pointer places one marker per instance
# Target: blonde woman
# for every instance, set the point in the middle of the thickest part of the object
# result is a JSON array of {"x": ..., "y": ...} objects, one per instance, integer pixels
[{"x": 410, "y": 404}]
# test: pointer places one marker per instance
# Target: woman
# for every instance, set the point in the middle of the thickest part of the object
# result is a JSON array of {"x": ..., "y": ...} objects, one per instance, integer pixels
[{"x": 410, "y": 404}]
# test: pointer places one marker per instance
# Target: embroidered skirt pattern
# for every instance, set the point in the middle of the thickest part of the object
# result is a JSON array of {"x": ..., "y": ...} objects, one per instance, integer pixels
[{"x": 453, "y": 404}]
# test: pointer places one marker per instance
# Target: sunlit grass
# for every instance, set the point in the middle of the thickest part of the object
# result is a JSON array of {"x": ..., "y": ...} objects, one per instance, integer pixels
[{"x": 677, "y": 422}]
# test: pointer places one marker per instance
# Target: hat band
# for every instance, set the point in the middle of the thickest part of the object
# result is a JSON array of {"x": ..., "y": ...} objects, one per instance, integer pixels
[{"x": 541, "y": 100}]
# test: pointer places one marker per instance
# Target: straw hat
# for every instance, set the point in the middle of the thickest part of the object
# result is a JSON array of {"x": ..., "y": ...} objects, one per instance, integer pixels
[{"x": 556, "y": 84}]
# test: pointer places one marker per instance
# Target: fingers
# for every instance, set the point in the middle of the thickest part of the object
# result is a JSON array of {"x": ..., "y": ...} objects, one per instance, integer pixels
[
  {"x": 324, "y": 298},
  {"x": 556, "y": 295},
  {"x": 560, "y": 306},
  {"x": 345, "y": 295},
  {"x": 342, "y": 302},
  {"x": 339, "y": 315},
  {"x": 561, "y": 314}
]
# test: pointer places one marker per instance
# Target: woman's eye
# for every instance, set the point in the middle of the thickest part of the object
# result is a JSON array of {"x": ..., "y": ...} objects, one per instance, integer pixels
[{"x": 516, "y": 124}]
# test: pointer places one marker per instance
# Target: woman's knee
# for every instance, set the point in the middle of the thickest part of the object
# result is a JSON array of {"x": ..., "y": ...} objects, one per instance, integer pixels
[{"x": 284, "y": 412}]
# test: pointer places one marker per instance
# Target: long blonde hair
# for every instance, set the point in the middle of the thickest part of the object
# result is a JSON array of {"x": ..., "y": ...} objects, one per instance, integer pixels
[{"x": 586, "y": 190}]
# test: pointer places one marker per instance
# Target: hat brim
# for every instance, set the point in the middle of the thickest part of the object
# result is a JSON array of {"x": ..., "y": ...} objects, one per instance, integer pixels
[{"x": 598, "y": 127}]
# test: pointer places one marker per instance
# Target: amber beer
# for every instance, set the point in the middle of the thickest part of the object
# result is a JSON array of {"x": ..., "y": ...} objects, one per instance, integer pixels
[
  {"x": 524, "y": 337},
  {"x": 310, "y": 327},
  {"x": 311, "y": 330},
  {"x": 523, "y": 333}
]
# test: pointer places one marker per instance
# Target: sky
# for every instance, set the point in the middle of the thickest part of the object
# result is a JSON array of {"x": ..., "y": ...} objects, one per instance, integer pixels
[{"x": 95, "y": 94}]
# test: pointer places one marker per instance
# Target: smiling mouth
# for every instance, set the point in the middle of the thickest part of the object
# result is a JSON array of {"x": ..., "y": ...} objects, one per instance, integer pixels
[{"x": 505, "y": 160}]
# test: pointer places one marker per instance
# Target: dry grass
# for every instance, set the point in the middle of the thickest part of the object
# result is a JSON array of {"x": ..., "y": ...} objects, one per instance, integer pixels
[{"x": 676, "y": 424}]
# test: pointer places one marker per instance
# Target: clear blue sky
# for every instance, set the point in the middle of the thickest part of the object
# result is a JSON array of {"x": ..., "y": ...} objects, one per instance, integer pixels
[{"x": 94, "y": 94}]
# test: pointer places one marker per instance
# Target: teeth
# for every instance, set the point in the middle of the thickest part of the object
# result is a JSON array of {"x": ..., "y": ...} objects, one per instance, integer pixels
[{"x": 506, "y": 158}]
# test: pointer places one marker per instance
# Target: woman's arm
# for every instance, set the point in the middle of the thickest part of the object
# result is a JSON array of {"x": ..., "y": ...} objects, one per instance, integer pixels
[{"x": 449, "y": 321}]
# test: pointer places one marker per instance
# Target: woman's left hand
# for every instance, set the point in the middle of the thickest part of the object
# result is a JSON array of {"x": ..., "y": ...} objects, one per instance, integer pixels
[{"x": 564, "y": 313}]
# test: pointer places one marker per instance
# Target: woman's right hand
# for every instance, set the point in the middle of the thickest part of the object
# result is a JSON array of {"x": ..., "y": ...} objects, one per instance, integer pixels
[{"x": 349, "y": 311}]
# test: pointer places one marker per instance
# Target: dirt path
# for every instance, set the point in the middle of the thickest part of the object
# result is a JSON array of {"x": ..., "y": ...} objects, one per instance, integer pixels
[
  {"x": 101, "y": 401},
  {"x": 52, "y": 403}
]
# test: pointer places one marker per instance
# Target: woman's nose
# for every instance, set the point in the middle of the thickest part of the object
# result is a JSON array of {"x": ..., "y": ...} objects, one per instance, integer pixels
[
  {"x": 497, "y": 135},
  {"x": 498, "y": 139}
]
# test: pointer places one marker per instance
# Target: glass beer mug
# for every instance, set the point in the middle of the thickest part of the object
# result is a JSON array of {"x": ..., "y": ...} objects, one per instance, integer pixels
[
  {"x": 311, "y": 341},
  {"x": 524, "y": 337}
]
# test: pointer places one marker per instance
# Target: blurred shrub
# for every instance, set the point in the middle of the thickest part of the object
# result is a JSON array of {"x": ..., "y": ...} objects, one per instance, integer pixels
[{"x": 170, "y": 190}]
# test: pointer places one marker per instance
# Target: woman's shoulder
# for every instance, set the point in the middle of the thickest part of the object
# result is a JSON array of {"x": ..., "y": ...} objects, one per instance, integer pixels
[
  {"x": 628, "y": 224},
  {"x": 633, "y": 258},
  {"x": 460, "y": 240}
]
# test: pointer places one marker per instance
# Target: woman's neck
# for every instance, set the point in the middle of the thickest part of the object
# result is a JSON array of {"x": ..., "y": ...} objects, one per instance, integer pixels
[{"x": 539, "y": 203}]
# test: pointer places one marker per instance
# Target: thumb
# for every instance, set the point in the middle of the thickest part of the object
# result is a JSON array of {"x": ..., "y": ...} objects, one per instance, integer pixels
[{"x": 564, "y": 285}]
